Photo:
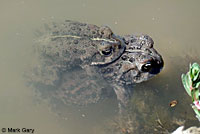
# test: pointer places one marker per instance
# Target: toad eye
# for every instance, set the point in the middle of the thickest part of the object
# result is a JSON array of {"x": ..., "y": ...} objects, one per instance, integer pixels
[
  {"x": 147, "y": 67},
  {"x": 107, "y": 51}
]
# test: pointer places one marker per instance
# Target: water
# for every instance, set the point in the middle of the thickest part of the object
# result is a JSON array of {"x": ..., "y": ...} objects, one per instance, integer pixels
[{"x": 174, "y": 26}]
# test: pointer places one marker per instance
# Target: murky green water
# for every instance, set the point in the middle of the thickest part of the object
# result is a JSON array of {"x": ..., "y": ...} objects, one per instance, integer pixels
[{"x": 173, "y": 24}]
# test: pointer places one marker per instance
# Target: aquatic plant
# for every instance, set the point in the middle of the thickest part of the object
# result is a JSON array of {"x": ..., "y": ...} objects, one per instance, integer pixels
[{"x": 191, "y": 82}]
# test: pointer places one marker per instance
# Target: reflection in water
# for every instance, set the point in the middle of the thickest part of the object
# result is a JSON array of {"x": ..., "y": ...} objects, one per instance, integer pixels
[{"x": 172, "y": 25}]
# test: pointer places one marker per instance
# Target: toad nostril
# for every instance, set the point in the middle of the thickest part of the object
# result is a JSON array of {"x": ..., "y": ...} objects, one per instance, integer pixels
[{"x": 159, "y": 63}]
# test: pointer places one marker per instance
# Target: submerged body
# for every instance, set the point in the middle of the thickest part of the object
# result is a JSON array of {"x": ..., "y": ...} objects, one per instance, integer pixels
[{"x": 80, "y": 61}]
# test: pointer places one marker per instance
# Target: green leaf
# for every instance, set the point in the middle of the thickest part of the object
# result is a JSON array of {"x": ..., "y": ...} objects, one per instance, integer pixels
[
  {"x": 194, "y": 71},
  {"x": 197, "y": 84},
  {"x": 191, "y": 83},
  {"x": 195, "y": 94},
  {"x": 186, "y": 83},
  {"x": 197, "y": 112}
]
